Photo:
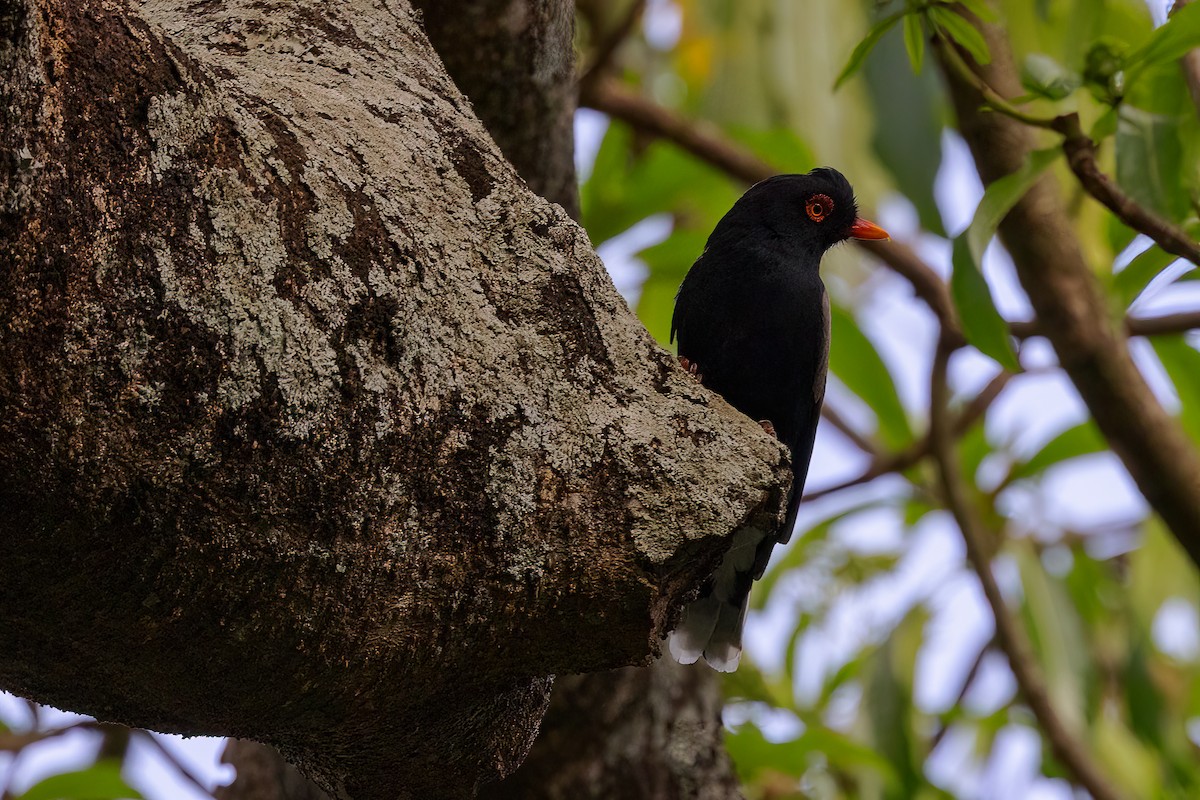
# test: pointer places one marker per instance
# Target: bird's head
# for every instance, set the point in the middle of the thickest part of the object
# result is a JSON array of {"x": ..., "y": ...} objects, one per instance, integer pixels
[{"x": 811, "y": 212}]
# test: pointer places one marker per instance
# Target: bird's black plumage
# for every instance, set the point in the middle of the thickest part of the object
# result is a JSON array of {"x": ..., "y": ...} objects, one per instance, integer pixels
[{"x": 752, "y": 317}]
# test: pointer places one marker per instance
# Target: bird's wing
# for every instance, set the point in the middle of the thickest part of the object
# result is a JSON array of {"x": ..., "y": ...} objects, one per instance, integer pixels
[{"x": 806, "y": 433}]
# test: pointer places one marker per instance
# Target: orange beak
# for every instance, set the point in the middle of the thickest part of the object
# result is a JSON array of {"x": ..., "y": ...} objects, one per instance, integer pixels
[{"x": 862, "y": 229}]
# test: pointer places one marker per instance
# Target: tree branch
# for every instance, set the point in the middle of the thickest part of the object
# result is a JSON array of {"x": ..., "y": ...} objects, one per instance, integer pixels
[
  {"x": 529, "y": 42},
  {"x": 1163, "y": 325},
  {"x": 707, "y": 144},
  {"x": 1011, "y": 638},
  {"x": 1071, "y": 310},
  {"x": 886, "y": 463},
  {"x": 1081, "y": 157},
  {"x": 292, "y": 361},
  {"x": 1190, "y": 64},
  {"x": 610, "y": 41}
]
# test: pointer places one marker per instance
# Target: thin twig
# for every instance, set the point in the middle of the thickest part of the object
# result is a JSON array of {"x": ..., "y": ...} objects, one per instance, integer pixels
[
  {"x": 1009, "y": 635},
  {"x": 968, "y": 681},
  {"x": 1166, "y": 324},
  {"x": 179, "y": 766},
  {"x": 834, "y": 418},
  {"x": 1081, "y": 158},
  {"x": 707, "y": 144},
  {"x": 603, "y": 53},
  {"x": 991, "y": 98},
  {"x": 887, "y": 463}
]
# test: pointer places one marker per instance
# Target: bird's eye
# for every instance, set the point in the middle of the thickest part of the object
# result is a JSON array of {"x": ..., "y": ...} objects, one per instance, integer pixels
[{"x": 818, "y": 207}]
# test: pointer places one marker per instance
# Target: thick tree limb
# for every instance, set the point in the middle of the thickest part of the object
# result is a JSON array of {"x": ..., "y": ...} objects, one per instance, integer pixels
[
  {"x": 1071, "y": 311},
  {"x": 292, "y": 365},
  {"x": 531, "y": 111}
]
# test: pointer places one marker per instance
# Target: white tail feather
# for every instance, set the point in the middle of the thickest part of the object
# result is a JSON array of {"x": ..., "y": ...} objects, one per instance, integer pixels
[{"x": 712, "y": 624}]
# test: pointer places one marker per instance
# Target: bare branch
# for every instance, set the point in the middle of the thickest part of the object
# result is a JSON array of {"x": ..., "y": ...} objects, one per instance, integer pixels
[
  {"x": 1071, "y": 308},
  {"x": 183, "y": 769},
  {"x": 706, "y": 143},
  {"x": 1009, "y": 635},
  {"x": 610, "y": 42},
  {"x": 834, "y": 418},
  {"x": 1163, "y": 325},
  {"x": 1190, "y": 64},
  {"x": 886, "y": 463},
  {"x": 1081, "y": 157}
]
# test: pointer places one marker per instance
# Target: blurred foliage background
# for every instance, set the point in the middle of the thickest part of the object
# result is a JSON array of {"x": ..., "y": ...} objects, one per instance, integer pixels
[{"x": 873, "y": 668}]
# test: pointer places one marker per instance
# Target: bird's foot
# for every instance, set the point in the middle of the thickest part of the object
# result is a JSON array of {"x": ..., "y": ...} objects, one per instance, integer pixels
[
  {"x": 768, "y": 428},
  {"x": 691, "y": 368}
]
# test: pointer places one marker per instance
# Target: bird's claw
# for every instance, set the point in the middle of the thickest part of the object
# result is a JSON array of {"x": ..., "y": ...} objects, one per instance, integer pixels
[
  {"x": 691, "y": 368},
  {"x": 768, "y": 428}
]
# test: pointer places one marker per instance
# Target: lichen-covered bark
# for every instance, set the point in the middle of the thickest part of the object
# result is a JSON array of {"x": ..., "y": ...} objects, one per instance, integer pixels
[
  {"x": 319, "y": 428},
  {"x": 514, "y": 60}
]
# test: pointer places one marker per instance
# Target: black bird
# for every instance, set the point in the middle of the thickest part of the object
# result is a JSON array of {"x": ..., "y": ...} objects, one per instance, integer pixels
[{"x": 752, "y": 319}]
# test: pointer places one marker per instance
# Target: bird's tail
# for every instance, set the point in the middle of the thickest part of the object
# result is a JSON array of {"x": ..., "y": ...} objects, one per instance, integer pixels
[{"x": 712, "y": 624}]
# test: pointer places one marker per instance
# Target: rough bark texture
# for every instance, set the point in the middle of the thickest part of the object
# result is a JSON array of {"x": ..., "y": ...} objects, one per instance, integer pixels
[
  {"x": 1071, "y": 310},
  {"x": 292, "y": 366},
  {"x": 515, "y": 60},
  {"x": 635, "y": 734}
]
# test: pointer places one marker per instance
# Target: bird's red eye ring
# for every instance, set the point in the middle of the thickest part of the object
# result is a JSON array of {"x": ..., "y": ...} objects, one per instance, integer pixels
[{"x": 818, "y": 207}]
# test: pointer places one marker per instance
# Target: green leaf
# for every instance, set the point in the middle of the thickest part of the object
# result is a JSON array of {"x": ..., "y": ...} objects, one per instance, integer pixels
[
  {"x": 1130, "y": 282},
  {"x": 752, "y": 753},
  {"x": 1159, "y": 569},
  {"x": 1080, "y": 440},
  {"x": 1180, "y": 34},
  {"x": 999, "y": 198},
  {"x": 914, "y": 40},
  {"x": 801, "y": 550},
  {"x": 668, "y": 261},
  {"x": 102, "y": 781},
  {"x": 1105, "y": 126},
  {"x": 781, "y": 147},
  {"x": 1134, "y": 768},
  {"x": 629, "y": 183},
  {"x": 1057, "y": 635},
  {"x": 865, "y": 46},
  {"x": 962, "y": 32},
  {"x": 887, "y": 698},
  {"x": 855, "y": 361},
  {"x": 1045, "y": 77},
  {"x": 911, "y": 115},
  {"x": 982, "y": 323},
  {"x": 1150, "y": 161},
  {"x": 1182, "y": 363}
]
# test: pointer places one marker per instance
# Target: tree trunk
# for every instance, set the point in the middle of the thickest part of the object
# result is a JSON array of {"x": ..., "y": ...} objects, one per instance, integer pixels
[
  {"x": 294, "y": 366},
  {"x": 650, "y": 733}
]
